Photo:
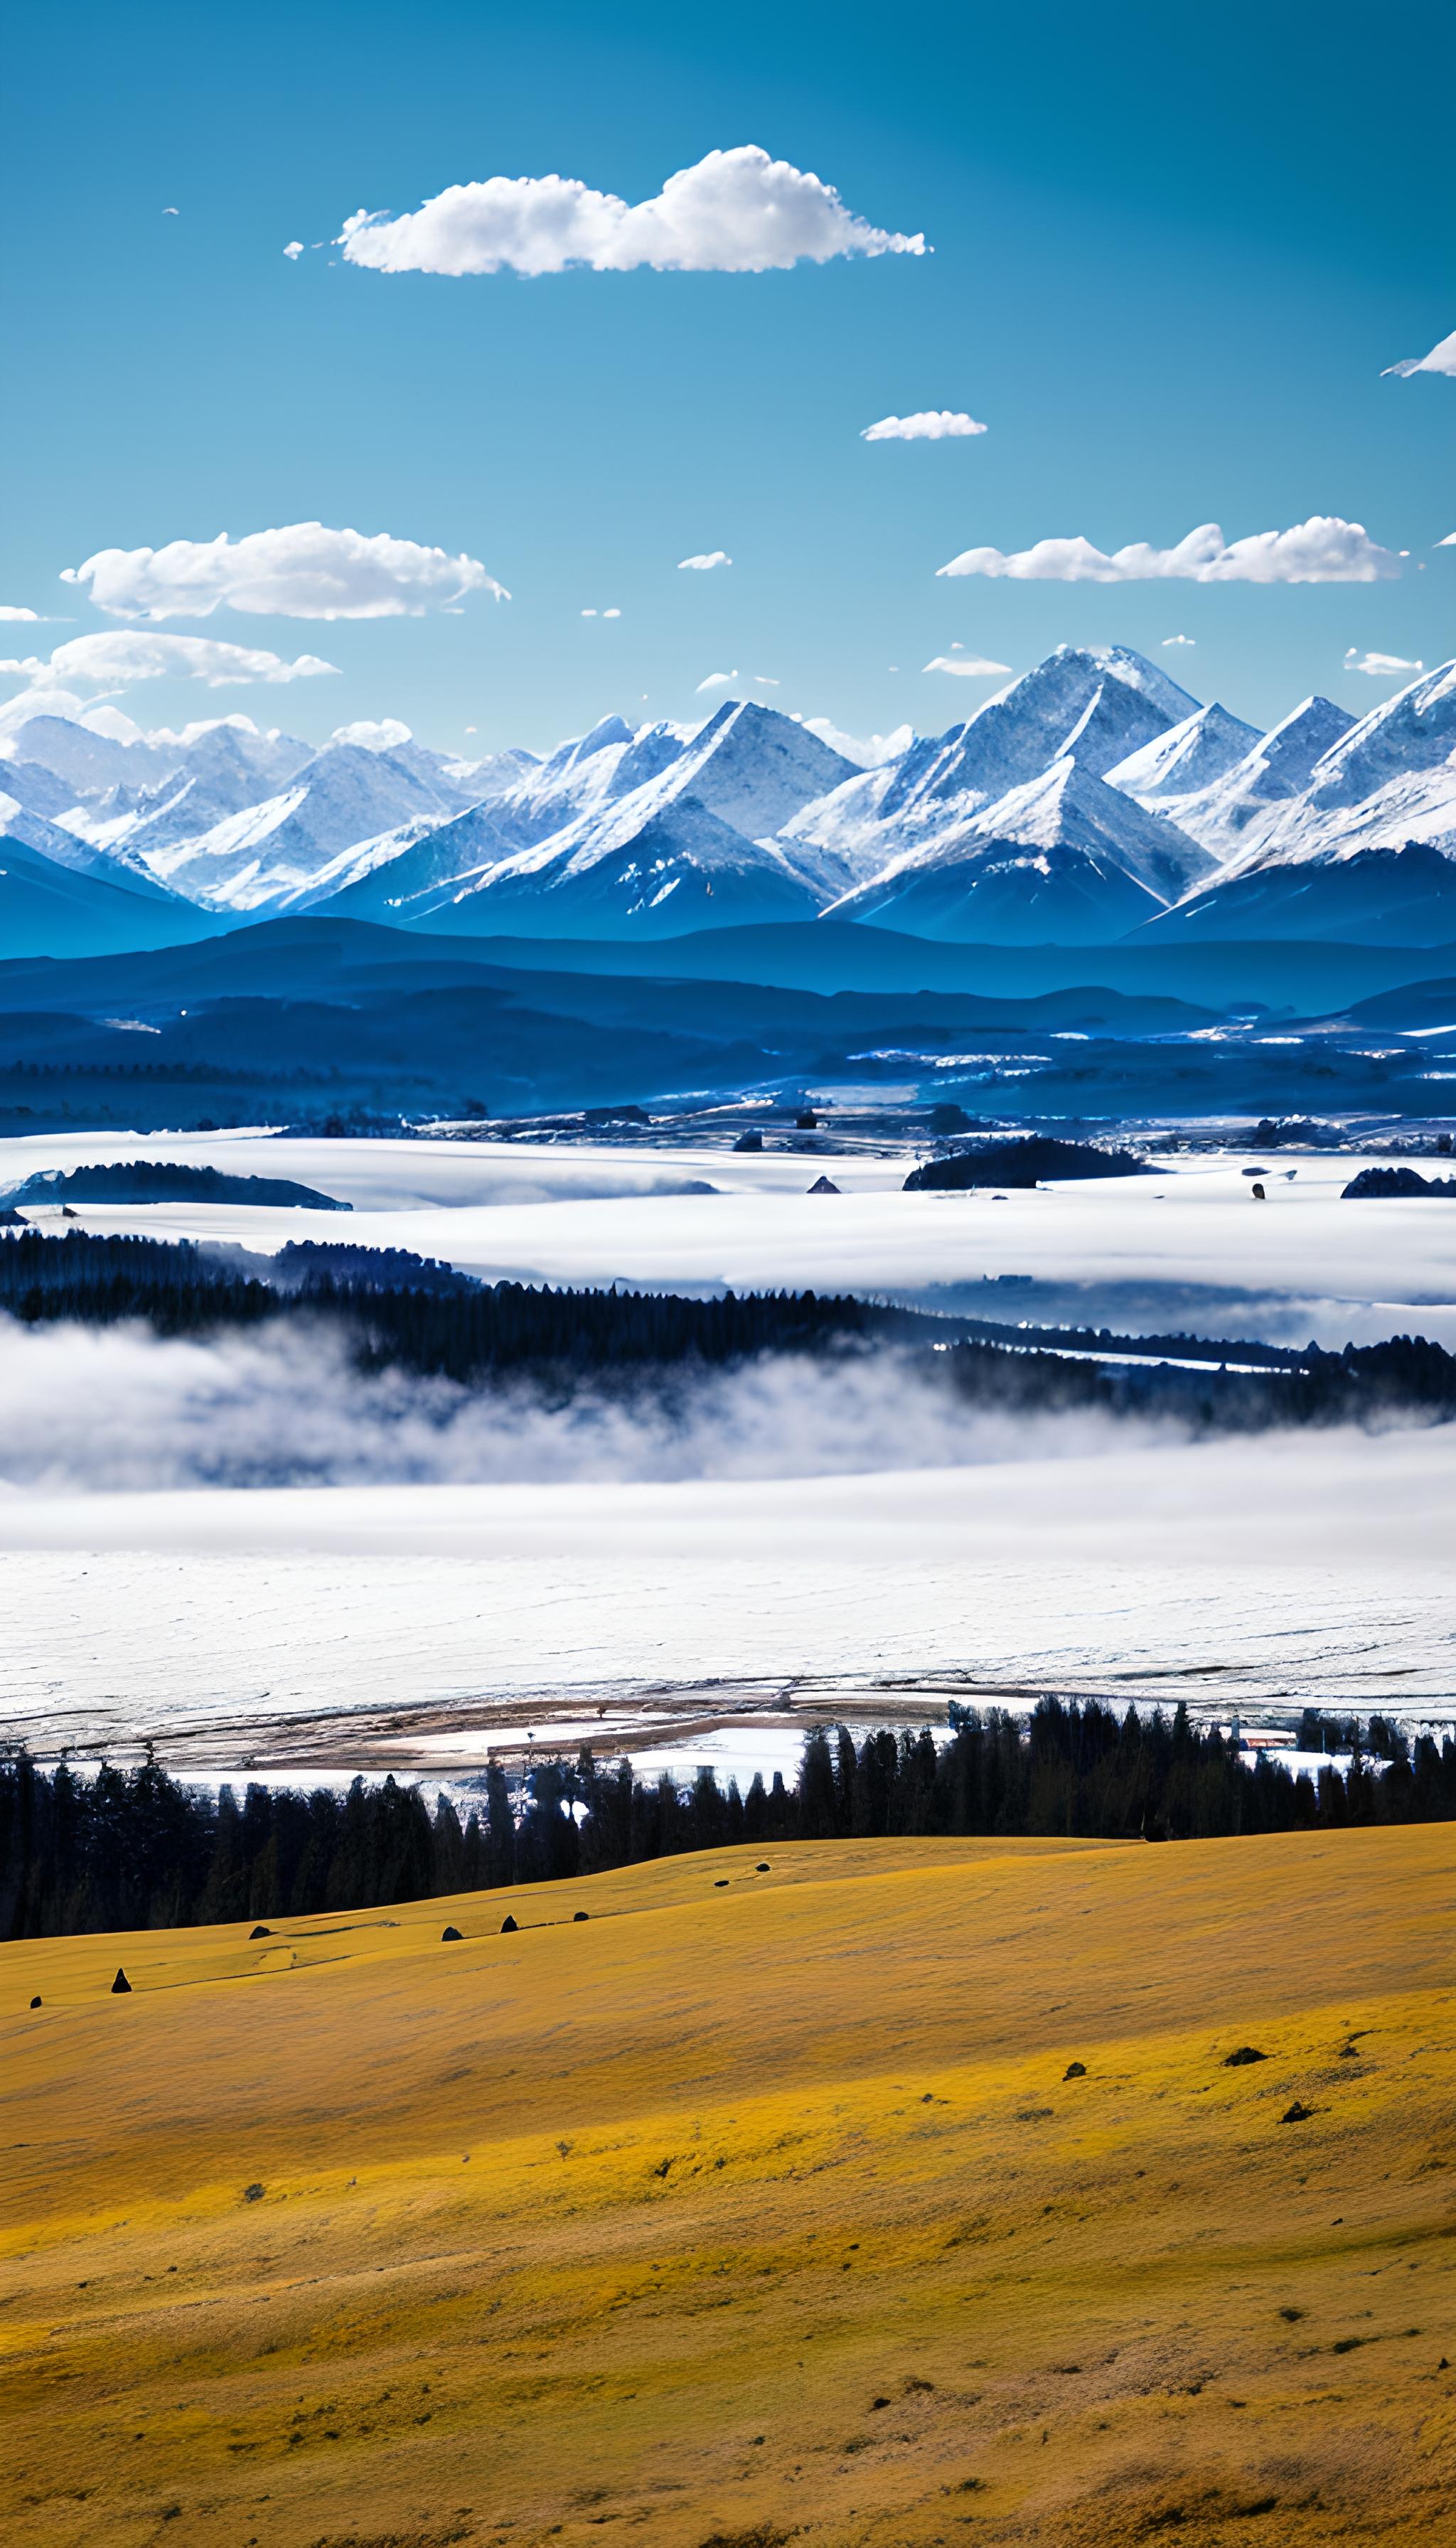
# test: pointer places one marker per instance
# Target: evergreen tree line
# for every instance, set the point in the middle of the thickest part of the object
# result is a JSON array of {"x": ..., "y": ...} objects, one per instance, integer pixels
[
  {"x": 129, "y": 1850},
  {"x": 415, "y": 1315}
]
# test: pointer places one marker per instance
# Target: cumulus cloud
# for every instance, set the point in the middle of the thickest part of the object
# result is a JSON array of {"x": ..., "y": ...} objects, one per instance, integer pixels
[
  {"x": 977, "y": 667},
  {"x": 13, "y": 611},
  {"x": 868, "y": 749},
  {"x": 300, "y": 572},
  {"x": 373, "y": 734},
  {"x": 611, "y": 614},
  {"x": 1323, "y": 550},
  {"x": 114, "y": 658},
  {"x": 718, "y": 680},
  {"x": 1441, "y": 358},
  {"x": 709, "y": 559},
  {"x": 1383, "y": 668},
  {"x": 295, "y": 249},
  {"x": 1180, "y": 641},
  {"x": 930, "y": 425},
  {"x": 735, "y": 211}
]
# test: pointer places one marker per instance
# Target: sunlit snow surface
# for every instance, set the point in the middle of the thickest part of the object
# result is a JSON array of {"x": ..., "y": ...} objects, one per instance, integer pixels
[
  {"x": 1291, "y": 1569},
  {"x": 803, "y": 1553},
  {"x": 1193, "y": 1242}
]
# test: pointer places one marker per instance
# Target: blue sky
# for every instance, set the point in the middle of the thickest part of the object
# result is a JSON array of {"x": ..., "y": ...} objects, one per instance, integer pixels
[{"x": 1172, "y": 255}]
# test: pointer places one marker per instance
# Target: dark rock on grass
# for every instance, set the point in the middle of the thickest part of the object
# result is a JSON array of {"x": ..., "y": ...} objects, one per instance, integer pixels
[
  {"x": 35, "y": 2002},
  {"x": 450, "y": 1936},
  {"x": 762, "y": 1867},
  {"x": 1075, "y": 2070},
  {"x": 509, "y": 1924},
  {"x": 259, "y": 1932},
  {"x": 581, "y": 1915},
  {"x": 252, "y": 2193},
  {"x": 1296, "y": 2114},
  {"x": 121, "y": 1983},
  {"x": 718, "y": 1883},
  {"x": 1240, "y": 2060}
]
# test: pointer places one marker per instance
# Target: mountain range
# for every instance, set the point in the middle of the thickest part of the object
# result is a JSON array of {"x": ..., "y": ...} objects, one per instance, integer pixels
[{"x": 1091, "y": 801}]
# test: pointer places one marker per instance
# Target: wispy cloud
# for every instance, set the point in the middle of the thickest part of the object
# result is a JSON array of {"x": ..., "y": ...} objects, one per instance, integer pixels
[
  {"x": 1383, "y": 668},
  {"x": 300, "y": 572},
  {"x": 709, "y": 559},
  {"x": 931, "y": 424},
  {"x": 1441, "y": 358},
  {"x": 734, "y": 211},
  {"x": 1323, "y": 550},
  {"x": 717, "y": 681},
  {"x": 1180, "y": 641},
  {"x": 974, "y": 667},
  {"x": 114, "y": 658},
  {"x": 1449, "y": 542}
]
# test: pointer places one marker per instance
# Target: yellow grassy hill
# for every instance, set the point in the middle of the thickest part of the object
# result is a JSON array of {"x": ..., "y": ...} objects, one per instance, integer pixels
[{"x": 749, "y": 2211}]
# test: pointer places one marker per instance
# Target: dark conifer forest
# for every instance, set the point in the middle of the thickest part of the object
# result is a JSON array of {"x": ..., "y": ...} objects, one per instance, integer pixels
[
  {"x": 137, "y": 1850},
  {"x": 395, "y": 1310}
]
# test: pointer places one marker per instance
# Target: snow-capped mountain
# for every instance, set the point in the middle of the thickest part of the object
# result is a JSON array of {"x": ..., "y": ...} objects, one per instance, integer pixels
[
  {"x": 661, "y": 830},
  {"x": 1236, "y": 809},
  {"x": 1185, "y": 758},
  {"x": 1096, "y": 704},
  {"x": 1358, "y": 843},
  {"x": 209, "y": 833},
  {"x": 1390, "y": 780},
  {"x": 1088, "y": 798},
  {"x": 1064, "y": 859}
]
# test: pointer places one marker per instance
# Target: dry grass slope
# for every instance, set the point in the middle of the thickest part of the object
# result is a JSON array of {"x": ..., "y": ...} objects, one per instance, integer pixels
[{"x": 750, "y": 2213}]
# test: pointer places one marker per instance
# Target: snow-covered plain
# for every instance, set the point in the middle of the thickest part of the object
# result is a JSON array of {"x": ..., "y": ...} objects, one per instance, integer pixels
[
  {"x": 360, "y": 1627},
  {"x": 826, "y": 1558},
  {"x": 1190, "y": 1242}
]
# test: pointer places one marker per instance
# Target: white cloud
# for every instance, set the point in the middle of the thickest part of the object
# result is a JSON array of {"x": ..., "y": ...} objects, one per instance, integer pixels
[
  {"x": 1180, "y": 641},
  {"x": 1449, "y": 542},
  {"x": 768, "y": 681},
  {"x": 931, "y": 424},
  {"x": 295, "y": 249},
  {"x": 868, "y": 749},
  {"x": 300, "y": 572},
  {"x": 1441, "y": 358},
  {"x": 588, "y": 614},
  {"x": 717, "y": 681},
  {"x": 611, "y": 614},
  {"x": 373, "y": 734},
  {"x": 12, "y": 610},
  {"x": 735, "y": 211},
  {"x": 1383, "y": 668},
  {"x": 977, "y": 667},
  {"x": 710, "y": 558},
  {"x": 1323, "y": 550},
  {"x": 112, "y": 658}
]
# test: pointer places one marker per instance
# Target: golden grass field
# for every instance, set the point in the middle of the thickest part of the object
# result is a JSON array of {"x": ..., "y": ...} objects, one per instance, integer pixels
[{"x": 752, "y": 2213}]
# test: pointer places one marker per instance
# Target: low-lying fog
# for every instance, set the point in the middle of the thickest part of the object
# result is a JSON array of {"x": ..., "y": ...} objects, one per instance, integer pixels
[{"x": 91, "y": 1410}]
